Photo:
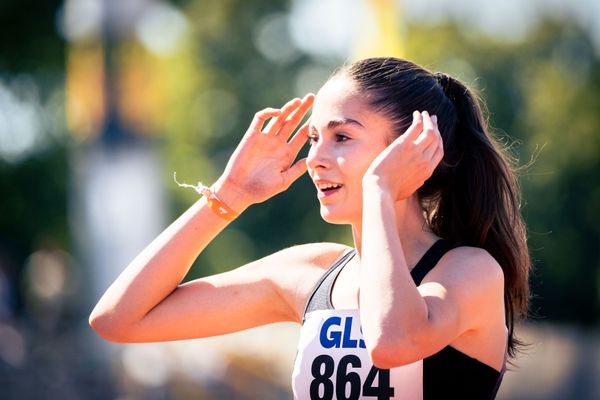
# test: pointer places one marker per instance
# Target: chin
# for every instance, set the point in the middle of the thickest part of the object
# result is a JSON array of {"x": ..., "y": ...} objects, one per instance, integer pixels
[{"x": 332, "y": 217}]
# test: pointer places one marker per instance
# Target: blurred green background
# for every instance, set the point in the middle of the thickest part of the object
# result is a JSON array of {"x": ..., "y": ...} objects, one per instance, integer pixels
[{"x": 101, "y": 101}]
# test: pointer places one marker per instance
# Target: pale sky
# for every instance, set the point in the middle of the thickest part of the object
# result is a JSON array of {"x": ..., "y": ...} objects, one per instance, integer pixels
[{"x": 328, "y": 27}]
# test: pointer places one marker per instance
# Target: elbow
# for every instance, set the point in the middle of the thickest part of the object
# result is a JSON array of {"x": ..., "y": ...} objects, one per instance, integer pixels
[
  {"x": 107, "y": 328},
  {"x": 387, "y": 355},
  {"x": 382, "y": 357}
]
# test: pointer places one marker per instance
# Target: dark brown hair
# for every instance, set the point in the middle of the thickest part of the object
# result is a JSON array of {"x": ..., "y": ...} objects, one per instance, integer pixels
[{"x": 473, "y": 197}]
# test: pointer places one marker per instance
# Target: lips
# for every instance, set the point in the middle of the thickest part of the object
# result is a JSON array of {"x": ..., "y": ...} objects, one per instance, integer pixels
[
  {"x": 327, "y": 188},
  {"x": 327, "y": 193}
]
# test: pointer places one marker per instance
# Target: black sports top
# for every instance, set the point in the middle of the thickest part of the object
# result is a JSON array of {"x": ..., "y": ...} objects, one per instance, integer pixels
[{"x": 333, "y": 363}]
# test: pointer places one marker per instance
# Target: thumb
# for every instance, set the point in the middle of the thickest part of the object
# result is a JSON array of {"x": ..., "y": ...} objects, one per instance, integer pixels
[{"x": 294, "y": 172}]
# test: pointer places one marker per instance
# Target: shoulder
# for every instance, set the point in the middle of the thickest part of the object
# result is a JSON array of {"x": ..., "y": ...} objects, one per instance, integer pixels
[
  {"x": 468, "y": 277},
  {"x": 311, "y": 255},
  {"x": 295, "y": 270},
  {"x": 468, "y": 265},
  {"x": 318, "y": 255}
]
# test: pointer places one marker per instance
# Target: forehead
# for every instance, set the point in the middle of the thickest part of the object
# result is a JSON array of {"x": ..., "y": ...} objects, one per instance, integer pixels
[{"x": 339, "y": 99}]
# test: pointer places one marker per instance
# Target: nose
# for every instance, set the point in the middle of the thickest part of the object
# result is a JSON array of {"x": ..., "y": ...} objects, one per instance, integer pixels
[{"x": 319, "y": 156}]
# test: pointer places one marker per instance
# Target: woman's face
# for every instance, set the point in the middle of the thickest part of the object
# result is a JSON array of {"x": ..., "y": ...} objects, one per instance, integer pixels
[{"x": 345, "y": 136}]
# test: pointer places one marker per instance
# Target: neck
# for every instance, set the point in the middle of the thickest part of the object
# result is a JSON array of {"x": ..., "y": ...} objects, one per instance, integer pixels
[{"x": 413, "y": 231}]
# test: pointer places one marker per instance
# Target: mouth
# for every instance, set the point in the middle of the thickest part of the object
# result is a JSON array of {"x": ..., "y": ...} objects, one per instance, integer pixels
[{"x": 328, "y": 189}]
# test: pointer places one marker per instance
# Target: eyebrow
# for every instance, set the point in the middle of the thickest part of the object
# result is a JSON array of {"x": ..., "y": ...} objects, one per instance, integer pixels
[{"x": 334, "y": 123}]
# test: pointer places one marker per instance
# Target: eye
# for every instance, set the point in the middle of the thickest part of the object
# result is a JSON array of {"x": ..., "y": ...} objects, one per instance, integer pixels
[{"x": 340, "y": 137}]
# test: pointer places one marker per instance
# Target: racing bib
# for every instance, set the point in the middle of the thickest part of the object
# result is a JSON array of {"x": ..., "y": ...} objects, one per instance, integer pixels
[{"x": 333, "y": 363}]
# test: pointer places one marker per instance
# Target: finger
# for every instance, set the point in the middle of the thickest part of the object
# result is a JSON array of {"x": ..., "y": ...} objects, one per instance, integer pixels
[
  {"x": 294, "y": 119},
  {"x": 436, "y": 144},
  {"x": 434, "y": 119},
  {"x": 433, "y": 155},
  {"x": 260, "y": 118},
  {"x": 278, "y": 122},
  {"x": 426, "y": 138},
  {"x": 299, "y": 138},
  {"x": 428, "y": 134},
  {"x": 294, "y": 172},
  {"x": 415, "y": 128},
  {"x": 438, "y": 156},
  {"x": 431, "y": 149}
]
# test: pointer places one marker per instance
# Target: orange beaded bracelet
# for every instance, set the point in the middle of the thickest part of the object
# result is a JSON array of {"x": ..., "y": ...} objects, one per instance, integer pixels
[{"x": 215, "y": 204}]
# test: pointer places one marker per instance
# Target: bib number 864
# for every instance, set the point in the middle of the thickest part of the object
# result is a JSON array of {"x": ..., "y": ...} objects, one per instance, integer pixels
[{"x": 322, "y": 370}]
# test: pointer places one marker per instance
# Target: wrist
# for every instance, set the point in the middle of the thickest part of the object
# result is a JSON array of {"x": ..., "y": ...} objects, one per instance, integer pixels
[
  {"x": 230, "y": 195},
  {"x": 374, "y": 185}
]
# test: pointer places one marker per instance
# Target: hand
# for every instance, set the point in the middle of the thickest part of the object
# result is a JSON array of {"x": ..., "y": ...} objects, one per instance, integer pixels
[
  {"x": 261, "y": 165},
  {"x": 403, "y": 166}
]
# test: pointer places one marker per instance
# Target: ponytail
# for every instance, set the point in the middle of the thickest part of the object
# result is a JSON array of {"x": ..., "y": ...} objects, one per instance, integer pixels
[
  {"x": 473, "y": 196},
  {"x": 477, "y": 203}
]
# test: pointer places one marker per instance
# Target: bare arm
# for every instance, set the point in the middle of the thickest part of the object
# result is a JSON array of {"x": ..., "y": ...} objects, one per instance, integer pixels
[
  {"x": 146, "y": 302},
  {"x": 157, "y": 271},
  {"x": 401, "y": 322}
]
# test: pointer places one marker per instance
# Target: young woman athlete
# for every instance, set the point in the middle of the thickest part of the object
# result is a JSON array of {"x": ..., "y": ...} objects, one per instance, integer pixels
[{"x": 423, "y": 305}]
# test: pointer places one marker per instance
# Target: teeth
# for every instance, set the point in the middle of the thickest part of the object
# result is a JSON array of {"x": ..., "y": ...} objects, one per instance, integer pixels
[{"x": 328, "y": 185}]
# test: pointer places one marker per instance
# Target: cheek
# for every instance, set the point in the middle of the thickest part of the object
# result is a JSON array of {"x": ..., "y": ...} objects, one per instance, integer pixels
[{"x": 358, "y": 162}]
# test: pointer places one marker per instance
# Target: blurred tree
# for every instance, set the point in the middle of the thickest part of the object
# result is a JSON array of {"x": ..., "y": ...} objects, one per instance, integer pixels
[
  {"x": 30, "y": 41},
  {"x": 561, "y": 87},
  {"x": 33, "y": 206},
  {"x": 33, "y": 210},
  {"x": 544, "y": 93},
  {"x": 235, "y": 79}
]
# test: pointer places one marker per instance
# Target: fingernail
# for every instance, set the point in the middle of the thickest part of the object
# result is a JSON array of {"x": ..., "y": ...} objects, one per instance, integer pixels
[
  {"x": 434, "y": 119},
  {"x": 425, "y": 113}
]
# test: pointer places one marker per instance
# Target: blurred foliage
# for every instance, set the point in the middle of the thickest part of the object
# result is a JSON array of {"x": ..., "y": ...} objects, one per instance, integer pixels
[
  {"x": 33, "y": 209},
  {"x": 233, "y": 81},
  {"x": 543, "y": 91},
  {"x": 29, "y": 38}
]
